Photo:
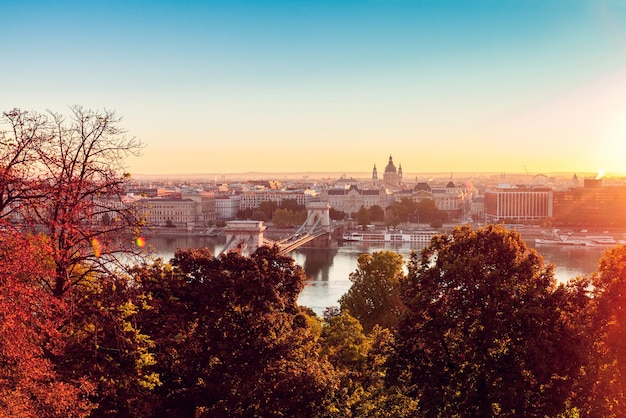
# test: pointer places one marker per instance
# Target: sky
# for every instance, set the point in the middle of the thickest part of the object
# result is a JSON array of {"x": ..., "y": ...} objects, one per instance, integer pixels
[{"x": 333, "y": 86}]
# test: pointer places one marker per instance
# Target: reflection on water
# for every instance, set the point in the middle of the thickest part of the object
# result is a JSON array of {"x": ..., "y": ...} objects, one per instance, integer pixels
[
  {"x": 328, "y": 270},
  {"x": 317, "y": 263}
]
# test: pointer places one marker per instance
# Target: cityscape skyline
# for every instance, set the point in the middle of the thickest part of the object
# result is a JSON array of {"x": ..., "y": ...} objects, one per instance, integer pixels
[{"x": 278, "y": 86}]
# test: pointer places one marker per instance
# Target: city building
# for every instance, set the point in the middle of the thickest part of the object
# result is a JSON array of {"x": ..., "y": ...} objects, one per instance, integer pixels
[
  {"x": 350, "y": 199},
  {"x": 190, "y": 211},
  {"x": 522, "y": 204},
  {"x": 392, "y": 176},
  {"x": 252, "y": 199},
  {"x": 167, "y": 211},
  {"x": 448, "y": 198},
  {"x": 590, "y": 205},
  {"x": 227, "y": 206}
]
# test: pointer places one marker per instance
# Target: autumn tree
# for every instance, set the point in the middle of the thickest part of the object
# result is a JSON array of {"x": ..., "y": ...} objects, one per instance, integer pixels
[
  {"x": 230, "y": 339},
  {"x": 487, "y": 332},
  {"x": 374, "y": 297},
  {"x": 20, "y": 142},
  {"x": 66, "y": 175},
  {"x": 66, "y": 178},
  {"x": 30, "y": 318}
]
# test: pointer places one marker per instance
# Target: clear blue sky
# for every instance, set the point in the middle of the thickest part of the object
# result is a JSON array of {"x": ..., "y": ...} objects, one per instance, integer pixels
[{"x": 236, "y": 86}]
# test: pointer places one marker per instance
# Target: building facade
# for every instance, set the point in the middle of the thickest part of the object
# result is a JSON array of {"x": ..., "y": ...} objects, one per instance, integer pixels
[
  {"x": 351, "y": 198},
  {"x": 251, "y": 199},
  {"x": 518, "y": 204},
  {"x": 592, "y": 205},
  {"x": 448, "y": 198},
  {"x": 189, "y": 211},
  {"x": 227, "y": 206}
]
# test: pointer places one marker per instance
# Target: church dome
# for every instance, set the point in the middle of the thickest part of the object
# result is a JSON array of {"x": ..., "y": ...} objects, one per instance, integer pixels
[{"x": 391, "y": 168}]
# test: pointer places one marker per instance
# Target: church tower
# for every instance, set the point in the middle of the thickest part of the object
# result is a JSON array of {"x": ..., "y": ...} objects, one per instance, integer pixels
[{"x": 374, "y": 174}]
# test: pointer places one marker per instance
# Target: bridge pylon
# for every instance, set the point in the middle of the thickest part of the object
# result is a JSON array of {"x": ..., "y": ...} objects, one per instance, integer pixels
[
  {"x": 318, "y": 216},
  {"x": 243, "y": 236}
]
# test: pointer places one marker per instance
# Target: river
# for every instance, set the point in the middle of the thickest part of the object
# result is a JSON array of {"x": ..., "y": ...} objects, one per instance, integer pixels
[{"x": 327, "y": 270}]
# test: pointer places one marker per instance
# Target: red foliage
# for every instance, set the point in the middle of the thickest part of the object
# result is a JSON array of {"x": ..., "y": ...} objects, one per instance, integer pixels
[{"x": 29, "y": 319}]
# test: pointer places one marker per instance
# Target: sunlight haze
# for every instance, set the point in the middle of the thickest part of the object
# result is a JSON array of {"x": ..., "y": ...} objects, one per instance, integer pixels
[{"x": 299, "y": 86}]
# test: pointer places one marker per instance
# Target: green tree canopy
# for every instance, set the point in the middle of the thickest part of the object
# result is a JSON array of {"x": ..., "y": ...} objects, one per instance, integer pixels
[
  {"x": 486, "y": 331},
  {"x": 231, "y": 339},
  {"x": 374, "y": 297}
]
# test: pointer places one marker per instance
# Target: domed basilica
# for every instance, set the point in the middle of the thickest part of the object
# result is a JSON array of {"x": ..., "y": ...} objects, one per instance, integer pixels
[{"x": 392, "y": 176}]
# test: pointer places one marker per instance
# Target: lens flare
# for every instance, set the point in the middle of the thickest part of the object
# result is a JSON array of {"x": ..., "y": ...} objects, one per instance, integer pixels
[
  {"x": 96, "y": 246},
  {"x": 140, "y": 242}
]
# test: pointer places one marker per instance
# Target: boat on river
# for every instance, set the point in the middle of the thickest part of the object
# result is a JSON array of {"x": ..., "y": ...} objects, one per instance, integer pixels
[
  {"x": 422, "y": 237},
  {"x": 579, "y": 240}
]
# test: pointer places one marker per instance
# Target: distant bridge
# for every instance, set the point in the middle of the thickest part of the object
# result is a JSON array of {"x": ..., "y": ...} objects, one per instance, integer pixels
[{"x": 247, "y": 236}]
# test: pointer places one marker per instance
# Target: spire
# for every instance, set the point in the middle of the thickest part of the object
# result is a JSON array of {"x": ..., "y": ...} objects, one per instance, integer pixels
[{"x": 374, "y": 173}]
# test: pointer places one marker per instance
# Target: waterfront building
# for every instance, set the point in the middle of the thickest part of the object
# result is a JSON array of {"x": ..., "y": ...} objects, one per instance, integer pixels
[
  {"x": 227, "y": 206},
  {"x": 448, "y": 198},
  {"x": 191, "y": 211},
  {"x": 168, "y": 211},
  {"x": 204, "y": 209},
  {"x": 522, "y": 204},
  {"x": 350, "y": 199},
  {"x": 251, "y": 199},
  {"x": 590, "y": 205}
]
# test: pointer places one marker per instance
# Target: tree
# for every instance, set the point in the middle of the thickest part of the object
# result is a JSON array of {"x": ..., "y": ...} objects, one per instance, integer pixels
[
  {"x": 391, "y": 219},
  {"x": 230, "y": 338},
  {"x": 266, "y": 210},
  {"x": 18, "y": 156},
  {"x": 244, "y": 213},
  {"x": 292, "y": 205},
  {"x": 75, "y": 176},
  {"x": 427, "y": 211},
  {"x": 30, "y": 318},
  {"x": 286, "y": 217},
  {"x": 346, "y": 346},
  {"x": 486, "y": 331},
  {"x": 374, "y": 297},
  {"x": 377, "y": 214},
  {"x": 72, "y": 191},
  {"x": 607, "y": 373},
  {"x": 336, "y": 215},
  {"x": 103, "y": 343},
  {"x": 363, "y": 217}
]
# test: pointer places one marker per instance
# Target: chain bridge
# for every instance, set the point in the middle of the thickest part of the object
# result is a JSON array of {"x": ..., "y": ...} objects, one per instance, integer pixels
[{"x": 247, "y": 236}]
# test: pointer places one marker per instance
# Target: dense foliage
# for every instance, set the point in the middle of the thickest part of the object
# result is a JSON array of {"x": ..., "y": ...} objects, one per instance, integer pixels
[
  {"x": 486, "y": 332},
  {"x": 374, "y": 298}
]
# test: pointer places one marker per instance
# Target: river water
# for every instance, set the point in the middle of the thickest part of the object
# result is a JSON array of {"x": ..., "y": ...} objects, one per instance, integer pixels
[{"x": 328, "y": 270}]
